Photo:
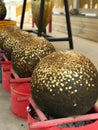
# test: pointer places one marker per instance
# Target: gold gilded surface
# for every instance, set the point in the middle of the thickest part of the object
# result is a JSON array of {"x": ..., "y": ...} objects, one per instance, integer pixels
[
  {"x": 14, "y": 38},
  {"x": 25, "y": 56},
  {"x": 23, "y": 49},
  {"x": 10, "y": 34},
  {"x": 66, "y": 84}
]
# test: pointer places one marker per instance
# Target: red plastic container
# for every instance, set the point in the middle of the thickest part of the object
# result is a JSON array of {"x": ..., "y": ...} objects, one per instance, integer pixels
[
  {"x": 45, "y": 124},
  {"x": 1, "y": 55},
  {"x": 20, "y": 93},
  {"x": 6, "y": 79},
  {"x": 6, "y": 66}
]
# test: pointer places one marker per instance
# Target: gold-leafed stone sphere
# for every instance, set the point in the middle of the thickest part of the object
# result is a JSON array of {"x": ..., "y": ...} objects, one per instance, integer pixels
[
  {"x": 65, "y": 84},
  {"x": 26, "y": 56}
]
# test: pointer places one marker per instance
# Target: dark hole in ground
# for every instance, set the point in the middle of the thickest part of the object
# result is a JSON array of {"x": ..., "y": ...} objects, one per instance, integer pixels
[{"x": 69, "y": 125}]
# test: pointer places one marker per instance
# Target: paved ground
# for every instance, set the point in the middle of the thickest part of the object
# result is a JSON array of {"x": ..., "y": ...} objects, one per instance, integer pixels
[{"x": 8, "y": 121}]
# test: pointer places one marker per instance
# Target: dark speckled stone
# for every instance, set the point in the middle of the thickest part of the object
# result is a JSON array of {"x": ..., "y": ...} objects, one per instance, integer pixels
[{"x": 65, "y": 84}]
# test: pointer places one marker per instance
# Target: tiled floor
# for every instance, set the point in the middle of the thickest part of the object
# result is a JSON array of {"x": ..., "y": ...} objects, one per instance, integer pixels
[{"x": 8, "y": 121}]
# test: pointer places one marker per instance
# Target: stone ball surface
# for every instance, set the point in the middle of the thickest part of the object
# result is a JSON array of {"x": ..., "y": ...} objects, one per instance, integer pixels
[
  {"x": 3, "y": 10},
  {"x": 65, "y": 84},
  {"x": 26, "y": 56},
  {"x": 12, "y": 40},
  {"x": 7, "y": 32}
]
